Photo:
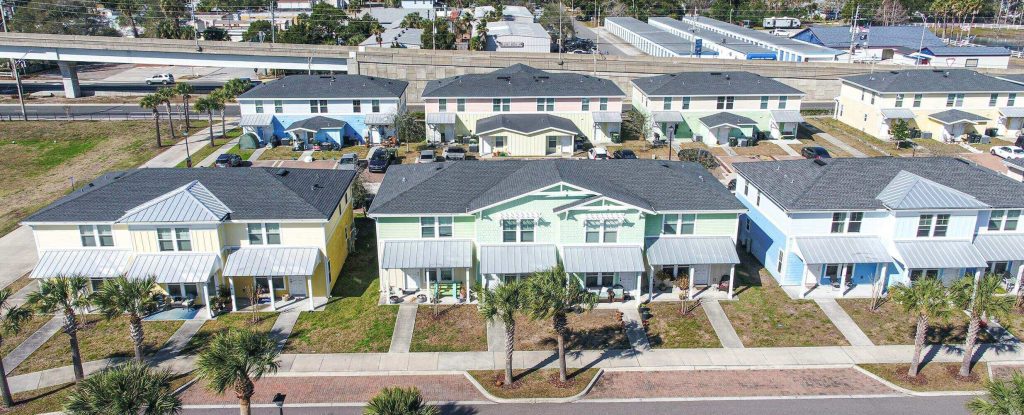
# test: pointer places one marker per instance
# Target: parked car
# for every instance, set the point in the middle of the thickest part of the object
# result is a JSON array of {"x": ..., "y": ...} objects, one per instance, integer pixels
[
  {"x": 1007, "y": 152},
  {"x": 598, "y": 153},
  {"x": 426, "y": 156},
  {"x": 624, "y": 154},
  {"x": 228, "y": 160},
  {"x": 379, "y": 160},
  {"x": 348, "y": 161},
  {"x": 454, "y": 153},
  {"x": 779, "y": 32},
  {"x": 160, "y": 78},
  {"x": 815, "y": 153}
]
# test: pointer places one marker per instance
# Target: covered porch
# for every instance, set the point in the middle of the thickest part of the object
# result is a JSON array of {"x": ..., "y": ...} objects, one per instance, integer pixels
[
  {"x": 504, "y": 262},
  {"x": 668, "y": 124},
  {"x": 188, "y": 279},
  {"x": 607, "y": 126},
  {"x": 723, "y": 126},
  {"x": 273, "y": 276},
  {"x": 527, "y": 135},
  {"x": 1011, "y": 121},
  {"x": 613, "y": 272},
  {"x": 842, "y": 266},
  {"x": 891, "y": 115},
  {"x": 947, "y": 261},
  {"x": 1004, "y": 254},
  {"x": 441, "y": 127},
  {"x": 379, "y": 127},
  {"x": 427, "y": 271},
  {"x": 96, "y": 264},
  {"x": 956, "y": 123},
  {"x": 260, "y": 125},
  {"x": 318, "y": 129},
  {"x": 785, "y": 124},
  {"x": 708, "y": 263}
]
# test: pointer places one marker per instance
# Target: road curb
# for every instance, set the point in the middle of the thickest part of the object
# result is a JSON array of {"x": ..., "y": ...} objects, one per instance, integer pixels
[
  {"x": 909, "y": 392},
  {"x": 569, "y": 399}
]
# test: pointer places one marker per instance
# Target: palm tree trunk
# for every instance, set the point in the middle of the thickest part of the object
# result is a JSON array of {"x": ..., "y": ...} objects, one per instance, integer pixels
[
  {"x": 510, "y": 345},
  {"x": 5, "y": 389},
  {"x": 243, "y": 406},
  {"x": 170, "y": 119},
  {"x": 188, "y": 124},
  {"x": 223, "y": 127},
  {"x": 136, "y": 332},
  {"x": 156, "y": 117},
  {"x": 559, "y": 321},
  {"x": 922, "y": 328},
  {"x": 244, "y": 390},
  {"x": 969, "y": 343},
  {"x": 71, "y": 329},
  {"x": 210, "y": 114}
]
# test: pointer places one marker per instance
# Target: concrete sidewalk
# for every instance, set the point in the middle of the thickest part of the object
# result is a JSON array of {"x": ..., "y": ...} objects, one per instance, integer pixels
[
  {"x": 212, "y": 158},
  {"x": 843, "y": 322},
  {"x": 283, "y": 327},
  {"x": 401, "y": 340},
  {"x": 720, "y": 322},
  {"x": 33, "y": 342},
  {"x": 176, "y": 153},
  {"x": 842, "y": 145},
  {"x": 19, "y": 255}
]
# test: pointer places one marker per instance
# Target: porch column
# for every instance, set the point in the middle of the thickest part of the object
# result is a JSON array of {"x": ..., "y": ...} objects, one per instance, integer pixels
[
  {"x": 327, "y": 280},
  {"x": 650, "y": 285},
  {"x": 977, "y": 274},
  {"x": 842, "y": 280},
  {"x": 732, "y": 277},
  {"x": 206, "y": 300},
  {"x": 234, "y": 301},
  {"x": 270, "y": 283},
  {"x": 689, "y": 291},
  {"x": 430, "y": 294},
  {"x": 467, "y": 286},
  {"x": 1020, "y": 278},
  {"x": 803, "y": 282},
  {"x": 879, "y": 282},
  {"x": 309, "y": 292}
]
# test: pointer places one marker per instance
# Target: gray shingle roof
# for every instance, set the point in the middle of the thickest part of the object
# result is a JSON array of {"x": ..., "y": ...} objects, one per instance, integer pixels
[
  {"x": 932, "y": 80},
  {"x": 1017, "y": 78},
  {"x": 466, "y": 186},
  {"x": 725, "y": 118},
  {"x": 955, "y": 116},
  {"x": 838, "y": 37},
  {"x": 712, "y": 83},
  {"x": 522, "y": 81},
  {"x": 328, "y": 86},
  {"x": 316, "y": 123},
  {"x": 854, "y": 184},
  {"x": 250, "y": 193},
  {"x": 526, "y": 123}
]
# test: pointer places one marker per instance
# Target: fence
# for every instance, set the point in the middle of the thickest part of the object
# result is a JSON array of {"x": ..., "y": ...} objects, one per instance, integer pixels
[{"x": 103, "y": 116}]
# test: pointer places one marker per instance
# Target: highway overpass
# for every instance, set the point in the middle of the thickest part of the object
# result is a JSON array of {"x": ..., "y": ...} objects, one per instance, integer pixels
[{"x": 69, "y": 50}]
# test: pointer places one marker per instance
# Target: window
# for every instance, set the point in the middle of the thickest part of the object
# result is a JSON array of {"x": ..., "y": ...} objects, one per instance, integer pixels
[
  {"x": 862, "y": 94},
  {"x": 746, "y": 188},
  {"x": 838, "y": 222},
  {"x": 992, "y": 99},
  {"x": 933, "y": 225},
  {"x": 96, "y": 283},
  {"x": 585, "y": 102},
  {"x": 1003, "y": 220},
  {"x": 678, "y": 224},
  {"x": 357, "y": 106},
  {"x": 872, "y": 97},
  {"x": 725, "y": 103},
  {"x": 508, "y": 230},
  {"x": 593, "y": 231},
  {"x": 259, "y": 106},
  {"x": 501, "y": 104},
  {"x": 924, "y": 225},
  {"x": 552, "y": 144},
  {"x": 375, "y": 105},
  {"x": 999, "y": 268},
  {"x": 545, "y": 104},
  {"x": 517, "y": 230},
  {"x": 666, "y": 103},
  {"x": 758, "y": 201},
  {"x": 764, "y": 103},
  {"x": 598, "y": 231},
  {"x": 603, "y": 104},
  {"x": 847, "y": 222},
  {"x": 499, "y": 142},
  {"x": 917, "y": 274},
  {"x": 955, "y": 100},
  {"x": 264, "y": 233},
  {"x": 440, "y": 227},
  {"x": 317, "y": 106},
  {"x": 1011, "y": 99},
  {"x": 856, "y": 219},
  {"x": 971, "y": 63},
  {"x": 176, "y": 239},
  {"x": 442, "y": 105},
  {"x": 899, "y": 100},
  {"x": 778, "y": 267},
  {"x": 941, "y": 225},
  {"x": 917, "y": 100},
  {"x": 686, "y": 103},
  {"x": 96, "y": 235},
  {"x": 278, "y": 106},
  {"x": 782, "y": 102},
  {"x": 460, "y": 104},
  {"x": 599, "y": 279}
]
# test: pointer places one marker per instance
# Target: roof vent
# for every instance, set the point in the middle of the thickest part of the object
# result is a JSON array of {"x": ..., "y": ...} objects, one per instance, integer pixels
[
  {"x": 894, "y": 72},
  {"x": 316, "y": 186},
  {"x": 820, "y": 162},
  {"x": 716, "y": 73},
  {"x": 281, "y": 172},
  {"x": 945, "y": 74}
]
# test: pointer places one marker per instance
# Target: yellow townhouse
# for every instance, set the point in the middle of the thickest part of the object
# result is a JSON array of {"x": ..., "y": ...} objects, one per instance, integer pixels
[{"x": 277, "y": 235}]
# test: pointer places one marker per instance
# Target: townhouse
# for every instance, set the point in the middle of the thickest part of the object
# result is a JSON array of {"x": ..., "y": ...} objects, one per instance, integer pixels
[
  {"x": 445, "y": 228},
  {"x": 342, "y": 109},
  {"x": 718, "y": 108},
  {"x": 523, "y": 111},
  {"x": 939, "y": 104},
  {"x": 286, "y": 232},
  {"x": 854, "y": 226}
]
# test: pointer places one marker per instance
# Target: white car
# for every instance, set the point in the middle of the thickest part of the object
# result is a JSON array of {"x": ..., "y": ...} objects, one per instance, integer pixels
[
  {"x": 780, "y": 32},
  {"x": 160, "y": 78},
  {"x": 1007, "y": 152},
  {"x": 598, "y": 153}
]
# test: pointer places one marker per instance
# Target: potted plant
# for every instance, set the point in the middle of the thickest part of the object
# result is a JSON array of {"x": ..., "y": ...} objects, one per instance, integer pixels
[{"x": 463, "y": 293}]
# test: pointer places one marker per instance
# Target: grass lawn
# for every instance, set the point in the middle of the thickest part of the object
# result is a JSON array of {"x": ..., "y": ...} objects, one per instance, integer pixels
[
  {"x": 19, "y": 283},
  {"x": 854, "y": 138},
  {"x": 668, "y": 328},
  {"x": 52, "y": 399},
  {"x": 891, "y": 325},
  {"x": 937, "y": 377},
  {"x": 542, "y": 383},
  {"x": 27, "y": 329},
  {"x": 456, "y": 328},
  {"x": 643, "y": 149},
  {"x": 764, "y": 316},
  {"x": 353, "y": 321},
  {"x": 811, "y": 140},
  {"x": 1014, "y": 322},
  {"x": 200, "y": 154},
  {"x": 39, "y": 158},
  {"x": 243, "y": 153},
  {"x": 98, "y": 338},
  {"x": 597, "y": 329},
  {"x": 225, "y": 322},
  {"x": 938, "y": 148},
  {"x": 280, "y": 153}
]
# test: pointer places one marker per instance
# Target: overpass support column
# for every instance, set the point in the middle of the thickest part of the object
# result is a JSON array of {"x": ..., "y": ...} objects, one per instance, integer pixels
[{"x": 70, "y": 76}]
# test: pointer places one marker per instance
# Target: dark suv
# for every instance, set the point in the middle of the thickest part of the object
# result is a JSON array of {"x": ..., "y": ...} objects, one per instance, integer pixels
[
  {"x": 815, "y": 153},
  {"x": 228, "y": 160}
]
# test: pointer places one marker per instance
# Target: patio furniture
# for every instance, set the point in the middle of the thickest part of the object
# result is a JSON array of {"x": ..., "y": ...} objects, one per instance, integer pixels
[
  {"x": 723, "y": 283},
  {"x": 394, "y": 299},
  {"x": 618, "y": 294}
]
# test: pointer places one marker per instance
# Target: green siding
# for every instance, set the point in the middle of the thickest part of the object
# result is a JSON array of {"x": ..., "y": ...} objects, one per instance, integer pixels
[
  {"x": 717, "y": 224},
  {"x": 398, "y": 228},
  {"x": 631, "y": 231},
  {"x": 465, "y": 227},
  {"x": 547, "y": 230},
  {"x": 653, "y": 225}
]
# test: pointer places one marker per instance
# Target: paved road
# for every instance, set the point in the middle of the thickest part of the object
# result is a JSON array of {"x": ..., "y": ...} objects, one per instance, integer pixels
[
  {"x": 582, "y": 31},
  {"x": 832, "y": 406},
  {"x": 9, "y": 87},
  {"x": 85, "y": 111}
]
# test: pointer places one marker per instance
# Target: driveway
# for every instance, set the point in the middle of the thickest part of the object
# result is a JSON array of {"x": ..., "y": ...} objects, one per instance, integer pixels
[
  {"x": 19, "y": 255},
  {"x": 987, "y": 160}
]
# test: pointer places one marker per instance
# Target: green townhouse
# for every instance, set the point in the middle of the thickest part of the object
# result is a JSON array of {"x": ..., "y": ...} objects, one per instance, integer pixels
[{"x": 614, "y": 225}]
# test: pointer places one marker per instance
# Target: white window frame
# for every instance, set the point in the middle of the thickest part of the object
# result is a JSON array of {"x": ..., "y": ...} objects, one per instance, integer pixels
[
  {"x": 545, "y": 104},
  {"x": 519, "y": 230},
  {"x": 460, "y": 104},
  {"x": 258, "y": 106},
  {"x": 680, "y": 223},
  {"x": 93, "y": 231},
  {"x": 923, "y": 273},
  {"x": 318, "y": 106},
  {"x": 375, "y": 106},
  {"x": 442, "y": 105},
  {"x": 500, "y": 139},
  {"x": 782, "y": 102},
  {"x": 933, "y": 226},
  {"x": 666, "y": 103},
  {"x": 175, "y": 240},
  {"x": 585, "y": 104},
  {"x": 600, "y": 279},
  {"x": 917, "y": 100},
  {"x": 899, "y": 100},
  {"x": 605, "y": 228},
  {"x": 357, "y": 106},
  {"x": 278, "y": 106},
  {"x": 846, "y": 222},
  {"x": 603, "y": 104},
  {"x": 263, "y": 232},
  {"x": 1003, "y": 219},
  {"x": 686, "y": 103},
  {"x": 437, "y": 225},
  {"x": 764, "y": 102}
]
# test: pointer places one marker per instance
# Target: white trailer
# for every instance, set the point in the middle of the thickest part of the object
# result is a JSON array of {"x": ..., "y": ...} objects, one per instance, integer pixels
[{"x": 781, "y": 23}]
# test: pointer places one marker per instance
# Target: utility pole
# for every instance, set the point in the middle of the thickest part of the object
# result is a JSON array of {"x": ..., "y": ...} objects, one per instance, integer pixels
[
  {"x": 14, "y": 65},
  {"x": 854, "y": 30},
  {"x": 273, "y": 23},
  {"x": 195, "y": 28},
  {"x": 730, "y": 15},
  {"x": 597, "y": 42},
  {"x": 920, "y": 46}
]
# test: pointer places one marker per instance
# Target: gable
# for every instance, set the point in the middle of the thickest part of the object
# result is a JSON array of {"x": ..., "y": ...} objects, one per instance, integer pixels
[{"x": 192, "y": 202}]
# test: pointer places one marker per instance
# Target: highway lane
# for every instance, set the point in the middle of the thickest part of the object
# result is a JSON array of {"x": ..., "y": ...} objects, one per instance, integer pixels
[
  {"x": 8, "y": 87},
  {"x": 90, "y": 111}
]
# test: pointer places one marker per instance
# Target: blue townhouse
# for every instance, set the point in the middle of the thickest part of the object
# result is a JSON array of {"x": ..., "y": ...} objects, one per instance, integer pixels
[
  {"x": 853, "y": 227},
  {"x": 343, "y": 109}
]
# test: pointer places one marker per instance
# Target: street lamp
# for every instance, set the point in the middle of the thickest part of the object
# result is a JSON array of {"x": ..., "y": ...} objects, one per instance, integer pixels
[{"x": 279, "y": 401}]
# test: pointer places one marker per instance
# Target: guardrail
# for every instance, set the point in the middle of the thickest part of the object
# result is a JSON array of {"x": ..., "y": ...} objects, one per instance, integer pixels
[{"x": 105, "y": 116}]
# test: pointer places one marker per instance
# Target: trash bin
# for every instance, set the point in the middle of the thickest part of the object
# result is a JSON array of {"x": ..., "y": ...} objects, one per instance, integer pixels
[{"x": 733, "y": 142}]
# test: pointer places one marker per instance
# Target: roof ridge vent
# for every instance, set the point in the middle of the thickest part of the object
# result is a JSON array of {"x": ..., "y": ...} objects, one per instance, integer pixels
[{"x": 281, "y": 172}]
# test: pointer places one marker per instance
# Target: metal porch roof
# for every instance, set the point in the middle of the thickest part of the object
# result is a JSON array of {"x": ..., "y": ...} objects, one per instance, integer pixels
[
  {"x": 169, "y": 268},
  {"x": 898, "y": 113},
  {"x": 267, "y": 261},
  {"x": 607, "y": 116},
  {"x": 940, "y": 254},
  {"x": 787, "y": 116},
  {"x": 600, "y": 258},
  {"x": 1012, "y": 112},
  {"x": 427, "y": 254},
  {"x": 91, "y": 263},
  {"x": 516, "y": 258},
  {"x": 667, "y": 116},
  {"x": 379, "y": 119},
  {"x": 256, "y": 120},
  {"x": 692, "y": 251},
  {"x": 1000, "y": 247},
  {"x": 441, "y": 118},
  {"x": 843, "y": 250}
]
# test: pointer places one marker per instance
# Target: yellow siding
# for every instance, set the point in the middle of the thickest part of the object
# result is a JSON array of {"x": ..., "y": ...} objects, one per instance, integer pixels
[
  {"x": 203, "y": 240},
  {"x": 340, "y": 229},
  {"x": 857, "y": 110},
  {"x": 59, "y": 237}
]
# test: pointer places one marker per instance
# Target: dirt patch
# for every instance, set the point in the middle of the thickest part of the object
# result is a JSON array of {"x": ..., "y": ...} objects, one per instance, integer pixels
[
  {"x": 542, "y": 383},
  {"x": 455, "y": 328},
  {"x": 727, "y": 383},
  {"x": 932, "y": 377},
  {"x": 594, "y": 330},
  {"x": 891, "y": 325},
  {"x": 669, "y": 328}
]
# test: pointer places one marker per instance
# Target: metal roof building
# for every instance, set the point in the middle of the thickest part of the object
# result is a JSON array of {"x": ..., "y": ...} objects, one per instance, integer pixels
[
  {"x": 710, "y": 41},
  {"x": 651, "y": 40},
  {"x": 786, "y": 49}
]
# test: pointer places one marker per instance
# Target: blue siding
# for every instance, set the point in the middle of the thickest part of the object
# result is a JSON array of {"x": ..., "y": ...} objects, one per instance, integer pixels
[
  {"x": 766, "y": 242},
  {"x": 864, "y": 273},
  {"x": 794, "y": 270},
  {"x": 807, "y": 36},
  {"x": 352, "y": 132}
]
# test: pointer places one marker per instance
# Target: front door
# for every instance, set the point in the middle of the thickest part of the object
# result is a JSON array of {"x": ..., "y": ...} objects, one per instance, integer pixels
[
  {"x": 297, "y": 286},
  {"x": 412, "y": 279}
]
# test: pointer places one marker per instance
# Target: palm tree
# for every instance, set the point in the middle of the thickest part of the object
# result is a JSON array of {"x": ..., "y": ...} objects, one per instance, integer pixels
[
  {"x": 185, "y": 90},
  {"x": 133, "y": 298},
  {"x": 130, "y": 388},
  {"x": 979, "y": 298},
  {"x": 1004, "y": 397},
  {"x": 235, "y": 360},
  {"x": 549, "y": 296},
  {"x": 502, "y": 303},
  {"x": 152, "y": 102},
  {"x": 67, "y": 295},
  {"x": 12, "y": 320},
  {"x": 222, "y": 98},
  {"x": 378, "y": 32},
  {"x": 166, "y": 95},
  {"x": 399, "y": 401},
  {"x": 209, "y": 104},
  {"x": 925, "y": 298},
  {"x": 128, "y": 10}
]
